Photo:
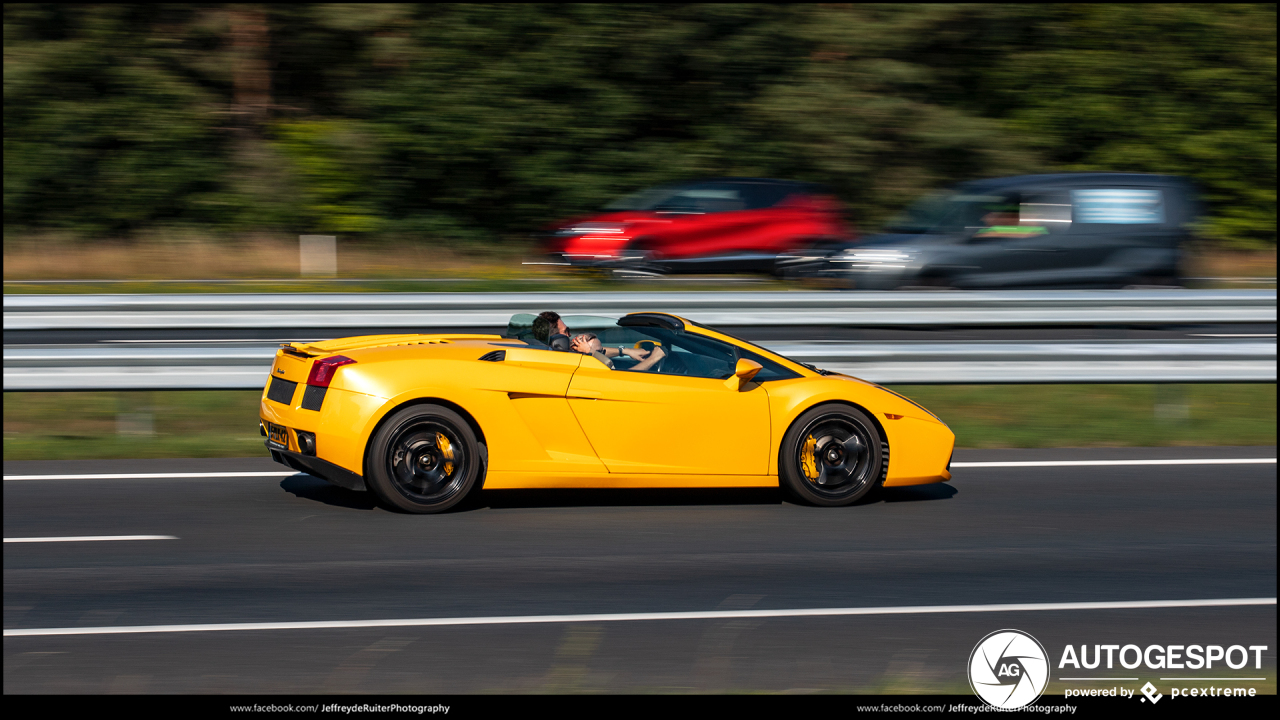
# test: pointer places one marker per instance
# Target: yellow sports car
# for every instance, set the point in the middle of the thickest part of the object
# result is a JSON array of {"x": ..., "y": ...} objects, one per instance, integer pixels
[{"x": 650, "y": 400}]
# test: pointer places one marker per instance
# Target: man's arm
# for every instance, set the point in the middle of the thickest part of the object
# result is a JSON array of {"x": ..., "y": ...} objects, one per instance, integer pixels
[
  {"x": 633, "y": 353},
  {"x": 657, "y": 354}
]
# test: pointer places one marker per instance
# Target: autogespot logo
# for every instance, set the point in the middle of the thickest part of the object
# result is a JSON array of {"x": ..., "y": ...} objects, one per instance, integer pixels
[{"x": 1008, "y": 669}]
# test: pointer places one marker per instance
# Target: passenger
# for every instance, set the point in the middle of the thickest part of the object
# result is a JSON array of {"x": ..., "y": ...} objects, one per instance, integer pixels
[{"x": 589, "y": 344}]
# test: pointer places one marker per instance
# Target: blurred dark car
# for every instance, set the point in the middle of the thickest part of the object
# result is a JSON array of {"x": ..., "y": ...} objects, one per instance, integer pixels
[
  {"x": 707, "y": 226},
  {"x": 1077, "y": 230}
]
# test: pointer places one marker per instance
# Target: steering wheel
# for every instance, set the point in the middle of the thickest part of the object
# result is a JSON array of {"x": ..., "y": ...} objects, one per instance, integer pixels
[{"x": 654, "y": 345}]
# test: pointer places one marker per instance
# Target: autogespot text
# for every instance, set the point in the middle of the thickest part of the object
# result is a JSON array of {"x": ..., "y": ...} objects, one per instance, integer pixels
[{"x": 1161, "y": 657}]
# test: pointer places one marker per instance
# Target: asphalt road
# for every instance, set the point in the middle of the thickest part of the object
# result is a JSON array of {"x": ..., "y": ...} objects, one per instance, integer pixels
[{"x": 291, "y": 548}]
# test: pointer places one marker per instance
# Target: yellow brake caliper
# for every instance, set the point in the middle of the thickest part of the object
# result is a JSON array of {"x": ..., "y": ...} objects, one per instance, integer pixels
[
  {"x": 447, "y": 451},
  {"x": 807, "y": 462}
]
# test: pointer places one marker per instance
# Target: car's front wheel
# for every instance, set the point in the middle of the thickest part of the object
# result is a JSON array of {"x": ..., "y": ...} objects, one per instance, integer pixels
[
  {"x": 832, "y": 455},
  {"x": 424, "y": 459}
]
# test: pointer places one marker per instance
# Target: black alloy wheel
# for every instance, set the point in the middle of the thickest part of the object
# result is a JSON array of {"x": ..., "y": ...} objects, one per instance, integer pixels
[
  {"x": 424, "y": 459},
  {"x": 832, "y": 455},
  {"x": 638, "y": 260}
]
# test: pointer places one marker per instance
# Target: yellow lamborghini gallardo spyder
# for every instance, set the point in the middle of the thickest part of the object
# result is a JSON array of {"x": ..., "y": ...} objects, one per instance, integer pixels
[{"x": 658, "y": 401}]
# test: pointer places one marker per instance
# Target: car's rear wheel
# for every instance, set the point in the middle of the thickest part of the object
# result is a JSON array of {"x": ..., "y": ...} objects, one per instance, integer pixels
[
  {"x": 424, "y": 459},
  {"x": 832, "y": 455}
]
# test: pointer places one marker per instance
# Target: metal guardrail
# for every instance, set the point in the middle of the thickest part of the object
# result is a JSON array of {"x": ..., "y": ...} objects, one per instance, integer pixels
[
  {"x": 245, "y": 366},
  {"x": 726, "y": 309}
]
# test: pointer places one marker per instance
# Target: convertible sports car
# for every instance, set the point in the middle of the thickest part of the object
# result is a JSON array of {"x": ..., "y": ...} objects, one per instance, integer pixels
[{"x": 424, "y": 420}]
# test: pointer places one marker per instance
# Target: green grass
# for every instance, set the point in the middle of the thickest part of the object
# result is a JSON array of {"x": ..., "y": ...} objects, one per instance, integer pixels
[
  {"x": 565, "y": 283},
  {"x": 149, "y": 424},
  {"x": 994, "y": 416},
  {"x": 213, "y": 423}
]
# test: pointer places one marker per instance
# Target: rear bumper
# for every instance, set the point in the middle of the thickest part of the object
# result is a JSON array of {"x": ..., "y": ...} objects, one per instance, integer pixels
[{"x": 322, "y": 469}]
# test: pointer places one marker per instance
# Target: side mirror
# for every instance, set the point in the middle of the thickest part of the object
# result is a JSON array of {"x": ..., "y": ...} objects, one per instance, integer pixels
[{"x": 742, "y": 374}]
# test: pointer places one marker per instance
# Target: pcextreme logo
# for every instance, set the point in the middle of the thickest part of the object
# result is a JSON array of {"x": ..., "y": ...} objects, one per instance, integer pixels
[{"x": 1008, "y": 669}]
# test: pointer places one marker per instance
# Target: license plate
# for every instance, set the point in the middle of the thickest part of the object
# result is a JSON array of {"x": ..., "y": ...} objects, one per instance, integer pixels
[{"x": 277, "y": 436}]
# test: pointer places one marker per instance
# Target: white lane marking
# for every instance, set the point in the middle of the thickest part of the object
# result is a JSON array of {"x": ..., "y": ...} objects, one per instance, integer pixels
[
  {"x": 1077, "y": 463},
  {"x": 1032, "y": 463},
  {"x": 154, "y": 476},
  {"x": 89, "y": 538},
  {"x": 619, "y": 617}
]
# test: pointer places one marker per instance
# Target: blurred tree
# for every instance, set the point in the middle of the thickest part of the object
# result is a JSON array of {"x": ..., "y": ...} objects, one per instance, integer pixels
[
  {"x": 505, "y": 117},
  {"x": 878, "y": 110},
  {"x": 105, "y": 133},
  {"x": 334, "y": 165},
  {"x": 1184, "y": 89},
  {"x": 477, "y": 122}
]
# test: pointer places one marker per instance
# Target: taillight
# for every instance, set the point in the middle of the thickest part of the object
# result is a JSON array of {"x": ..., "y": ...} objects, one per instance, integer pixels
[{"x": 322, "y": 371}]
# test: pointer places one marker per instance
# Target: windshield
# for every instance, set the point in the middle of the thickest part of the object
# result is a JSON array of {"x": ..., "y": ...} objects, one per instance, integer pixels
[
  {"x": 688, "y": 354},
  {"x": 944, "y": 213},
  {"x": 704, "y": 197},
  {"x": 753, "y": 356}
]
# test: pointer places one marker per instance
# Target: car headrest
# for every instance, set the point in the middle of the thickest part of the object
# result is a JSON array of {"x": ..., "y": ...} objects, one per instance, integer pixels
[{"x": 559, "y": 342}]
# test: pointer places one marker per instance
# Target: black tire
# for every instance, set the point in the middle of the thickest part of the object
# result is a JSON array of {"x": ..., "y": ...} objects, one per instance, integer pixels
[
  {"x": 832, "y": 455},
  {"x": 424, "y": 459},
  {"x": 640, "y": 262}
]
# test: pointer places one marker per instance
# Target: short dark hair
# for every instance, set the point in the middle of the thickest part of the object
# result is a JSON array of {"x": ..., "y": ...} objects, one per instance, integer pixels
[{"x": 544, "y": 324}]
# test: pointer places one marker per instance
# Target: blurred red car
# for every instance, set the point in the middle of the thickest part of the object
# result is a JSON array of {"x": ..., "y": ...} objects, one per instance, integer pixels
[{"x": 707, "y": 226}]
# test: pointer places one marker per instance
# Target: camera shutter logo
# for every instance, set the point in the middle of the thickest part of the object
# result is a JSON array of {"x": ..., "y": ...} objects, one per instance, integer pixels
[{"x": 1008, "y": 669}]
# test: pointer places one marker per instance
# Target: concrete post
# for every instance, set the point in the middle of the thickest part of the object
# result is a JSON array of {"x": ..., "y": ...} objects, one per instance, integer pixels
[{"x": 318, "y": 255}]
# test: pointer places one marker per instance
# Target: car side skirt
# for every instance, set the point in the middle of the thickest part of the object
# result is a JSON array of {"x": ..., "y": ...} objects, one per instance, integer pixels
[{"x": 512, "y": 480}]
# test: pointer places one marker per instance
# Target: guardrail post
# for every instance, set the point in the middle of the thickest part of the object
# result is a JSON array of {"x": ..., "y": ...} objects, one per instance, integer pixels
[
  {"x": 1172, "y": 403},
  {"x": 135, "y": 414},
  {"x": 318, "y": 255}
]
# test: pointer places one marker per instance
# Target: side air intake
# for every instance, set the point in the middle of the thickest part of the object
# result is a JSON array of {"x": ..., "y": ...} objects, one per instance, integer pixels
[{"x": 495, "y": 356}]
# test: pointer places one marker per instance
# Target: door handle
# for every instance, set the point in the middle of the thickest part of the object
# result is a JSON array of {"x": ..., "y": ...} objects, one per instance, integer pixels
[{"x": 583, "y": 394}]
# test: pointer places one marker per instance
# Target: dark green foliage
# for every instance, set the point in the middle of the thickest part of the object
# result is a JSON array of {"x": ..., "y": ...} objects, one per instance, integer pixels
[
  {"x": 474, "y": 123},
  {"x": 104, "y": 132}
]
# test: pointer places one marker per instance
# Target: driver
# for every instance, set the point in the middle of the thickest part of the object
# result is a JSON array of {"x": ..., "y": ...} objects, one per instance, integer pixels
[
  {"x": 589, "y": 344},
  {"x": 653, "y": 358},
  {"x": 1004, "y": 221}
]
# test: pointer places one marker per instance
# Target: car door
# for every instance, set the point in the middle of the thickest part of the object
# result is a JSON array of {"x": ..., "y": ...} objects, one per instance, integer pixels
[
  {"x": 1038, "y": 255},
  {"x": 705, "y": 220},
  {"x": 527, "y": 409},
  {"x": 667, "y": 423}
]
